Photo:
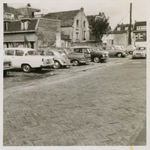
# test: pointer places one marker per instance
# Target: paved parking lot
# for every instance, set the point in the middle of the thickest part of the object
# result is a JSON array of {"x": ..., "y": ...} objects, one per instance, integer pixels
[{"x": 104, "y": 105}]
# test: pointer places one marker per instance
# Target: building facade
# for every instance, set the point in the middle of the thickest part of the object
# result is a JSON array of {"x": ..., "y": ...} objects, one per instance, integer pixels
[
  {"x": 74, "y": 25},
  {"x": 140, "y": 33},
  {"x": 35, "y": 33}
]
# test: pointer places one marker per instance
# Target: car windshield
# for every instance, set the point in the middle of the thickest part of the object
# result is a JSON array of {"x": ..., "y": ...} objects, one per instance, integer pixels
[{"x": 33, "y": 53}]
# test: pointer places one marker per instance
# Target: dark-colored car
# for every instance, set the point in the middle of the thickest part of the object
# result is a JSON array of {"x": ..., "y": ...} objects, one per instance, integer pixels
[
  {"x": 115, "y": 51},
  {"x": 96, "y": 55},
  {"x": 75, "y": 58}
]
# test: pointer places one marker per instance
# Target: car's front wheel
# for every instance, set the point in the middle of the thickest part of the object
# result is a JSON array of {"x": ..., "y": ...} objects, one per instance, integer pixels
[
  {"x": 119, "y": 55},
  {"x": 96, "y": 59},
  {"x": 26, "y": 68},
  {"x": 75, "y": 63},
  {"x": 56, "y": 65}
]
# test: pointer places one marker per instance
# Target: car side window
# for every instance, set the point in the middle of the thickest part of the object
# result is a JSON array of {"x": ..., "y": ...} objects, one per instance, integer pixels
[
  {"x": 49, "y": 53},
  {"x": 84, "y": 50},
  {"x": 9, "y": 52},
  {"x": 76, "y": 50},
  {"x": 19, "y": 53}
]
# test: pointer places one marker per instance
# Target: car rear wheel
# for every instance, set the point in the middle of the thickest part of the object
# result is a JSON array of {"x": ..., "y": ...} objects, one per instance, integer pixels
[
  {"x": 26, "y": 68},
  {"x": 119, "y": 55},
  {"x": 75, "y": 63},
  {"x": 56, "y": 65},
  {"x": 96, "y": 59}
]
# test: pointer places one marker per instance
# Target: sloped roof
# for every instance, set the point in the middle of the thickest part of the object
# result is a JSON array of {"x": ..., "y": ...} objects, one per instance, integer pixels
[
  {"x": 66, "y": 17},
  {"x": 16, "y": 25},
  {"x": 11, "y": 10}
]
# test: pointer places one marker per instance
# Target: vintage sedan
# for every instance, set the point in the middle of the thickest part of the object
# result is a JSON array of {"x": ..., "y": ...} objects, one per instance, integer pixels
[
  {"x": 130, "y": 49},
  {"x": 27, "y": 59},
  {"x": 140, "y": 52},
  {"x": 7, "y": 65},
  {"x": 75, "y": 58},
  {"x": 96, "y": 55},
  {"x": 115, "y": 51},
  {"x": 60, "y": 61}
]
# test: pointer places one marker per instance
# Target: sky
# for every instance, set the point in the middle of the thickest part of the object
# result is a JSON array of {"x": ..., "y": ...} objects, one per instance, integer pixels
[{"x": 118, "y": 11}]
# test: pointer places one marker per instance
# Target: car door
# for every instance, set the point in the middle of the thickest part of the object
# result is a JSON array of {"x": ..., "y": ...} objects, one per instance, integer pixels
[
  {"x": 19, "y": 58},
  {"x": 111, "y": 51},
  {"x": 9, "y": 53}
]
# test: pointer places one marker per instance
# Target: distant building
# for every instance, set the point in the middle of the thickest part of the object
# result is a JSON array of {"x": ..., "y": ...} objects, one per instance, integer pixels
[
  {"x": 35, "y": 33},
  {"x": 74, "y": 25},
  {"x": 119, "y": 36},
  {"x": 9, "y": 13},
  {"x": 140, "y": 33},
  {"x": 28, "y": 11}
]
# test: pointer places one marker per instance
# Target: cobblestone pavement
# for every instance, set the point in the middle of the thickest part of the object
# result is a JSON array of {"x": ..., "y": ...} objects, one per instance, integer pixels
[{"x": 105, "y": 106}]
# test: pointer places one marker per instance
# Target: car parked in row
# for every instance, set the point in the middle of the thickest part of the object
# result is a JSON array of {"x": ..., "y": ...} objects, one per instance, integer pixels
[
  {"x": 130, "y": 49},
  {"x": 75, "y": 58},
  {"x": 115, "y": 51},
  {"x": 60, "y": 61},
  {"x": 96, "y": 55},
  {"x": 27, "y": 59},
  {"x": 140, "y": 52},
  {"x": 7, "y": 65}
]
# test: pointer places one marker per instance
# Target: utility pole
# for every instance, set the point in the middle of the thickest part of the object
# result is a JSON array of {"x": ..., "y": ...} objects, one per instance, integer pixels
[{"x": 129, "y": 40}]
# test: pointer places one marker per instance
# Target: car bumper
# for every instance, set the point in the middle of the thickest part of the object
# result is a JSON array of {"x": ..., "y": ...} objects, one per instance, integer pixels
[{"x": 104, "y": 57}]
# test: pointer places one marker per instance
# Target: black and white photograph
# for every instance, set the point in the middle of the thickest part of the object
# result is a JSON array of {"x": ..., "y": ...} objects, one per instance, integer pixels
[{"x": 75, "y": 73}]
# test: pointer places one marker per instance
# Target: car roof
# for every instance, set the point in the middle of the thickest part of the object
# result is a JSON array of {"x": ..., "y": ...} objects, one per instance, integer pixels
[{"x": 17, "y": 48}]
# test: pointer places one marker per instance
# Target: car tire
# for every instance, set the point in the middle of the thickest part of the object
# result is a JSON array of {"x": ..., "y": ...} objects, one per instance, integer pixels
[
  {"x": 75, "y": 63},
  {"x": 130, "y": 52},
  {"x": 56, "y": 65},
  {"x": 119, "y": 55},
  {"x": 96, "y": 59},
  {"x": 5, "y": 73},
  {"x": 26, "y": 68}
]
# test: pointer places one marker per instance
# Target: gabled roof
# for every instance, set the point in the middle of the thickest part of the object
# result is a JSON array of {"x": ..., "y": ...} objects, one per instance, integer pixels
[
  {"x": 16, "y": 25},
  {"x": 11, "y": 10},
  {"x": 66, "y": 17}
]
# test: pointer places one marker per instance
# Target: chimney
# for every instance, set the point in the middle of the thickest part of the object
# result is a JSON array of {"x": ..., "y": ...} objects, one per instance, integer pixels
[
  {"x": 5, "y": 6},
  {"x": 82, "y": 9}
]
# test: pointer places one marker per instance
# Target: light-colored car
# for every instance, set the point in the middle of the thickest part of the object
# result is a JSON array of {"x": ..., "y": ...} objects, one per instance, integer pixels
[
  {"x": 60, "y": 61},
  {"x": 140, "y": 52},
  {"x": 7, "y": 65},
  {"x": 27, "y": 59},
  {"x": 75, "y": 58}
]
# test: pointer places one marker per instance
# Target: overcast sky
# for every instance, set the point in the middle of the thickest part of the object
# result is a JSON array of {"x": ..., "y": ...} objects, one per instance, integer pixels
[{"x": 117, "y": 11}]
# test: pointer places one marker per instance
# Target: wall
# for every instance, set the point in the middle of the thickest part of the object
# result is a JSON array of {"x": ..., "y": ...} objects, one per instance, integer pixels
[
  {"x": 80, "y": 29},
  {"x": 48, "y": 33}
]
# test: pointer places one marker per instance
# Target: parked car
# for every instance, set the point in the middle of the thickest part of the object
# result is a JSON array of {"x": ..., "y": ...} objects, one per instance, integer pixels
[
  {"x": 7, "y": 65},
  {"x": 59, "y": 60},
  {"x": 115, "y": 51},
  {"x": 140, "y": 52},
  {"x": 75, "y": 58},
  {"x": 130, "y": 49},
  {"x": 27, "y": 59},
  {"x": 96, "y": 54}
]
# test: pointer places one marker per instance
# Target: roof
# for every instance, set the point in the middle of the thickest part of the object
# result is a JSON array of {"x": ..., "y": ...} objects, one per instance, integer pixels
[
  {"x": 11, "y": 10},
  {"x": 66, "y": 17},
  {"x": 16, "y": 25},
  {"x": 139, "y": 23}
]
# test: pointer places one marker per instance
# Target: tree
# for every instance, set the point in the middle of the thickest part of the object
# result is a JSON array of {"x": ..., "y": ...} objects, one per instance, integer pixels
[{"x": 99, "y": 27}]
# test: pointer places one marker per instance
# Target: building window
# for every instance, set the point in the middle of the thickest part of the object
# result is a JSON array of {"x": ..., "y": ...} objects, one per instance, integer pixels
[
  {"x": 84, "y": 35},
  {"x": 118, "y": 29},
  {"x": 141, "y": 28},
  {"x": 5, "y": 26},
  {"x": 77, "y": 23},
  {"x": 84, "y": 24}
]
